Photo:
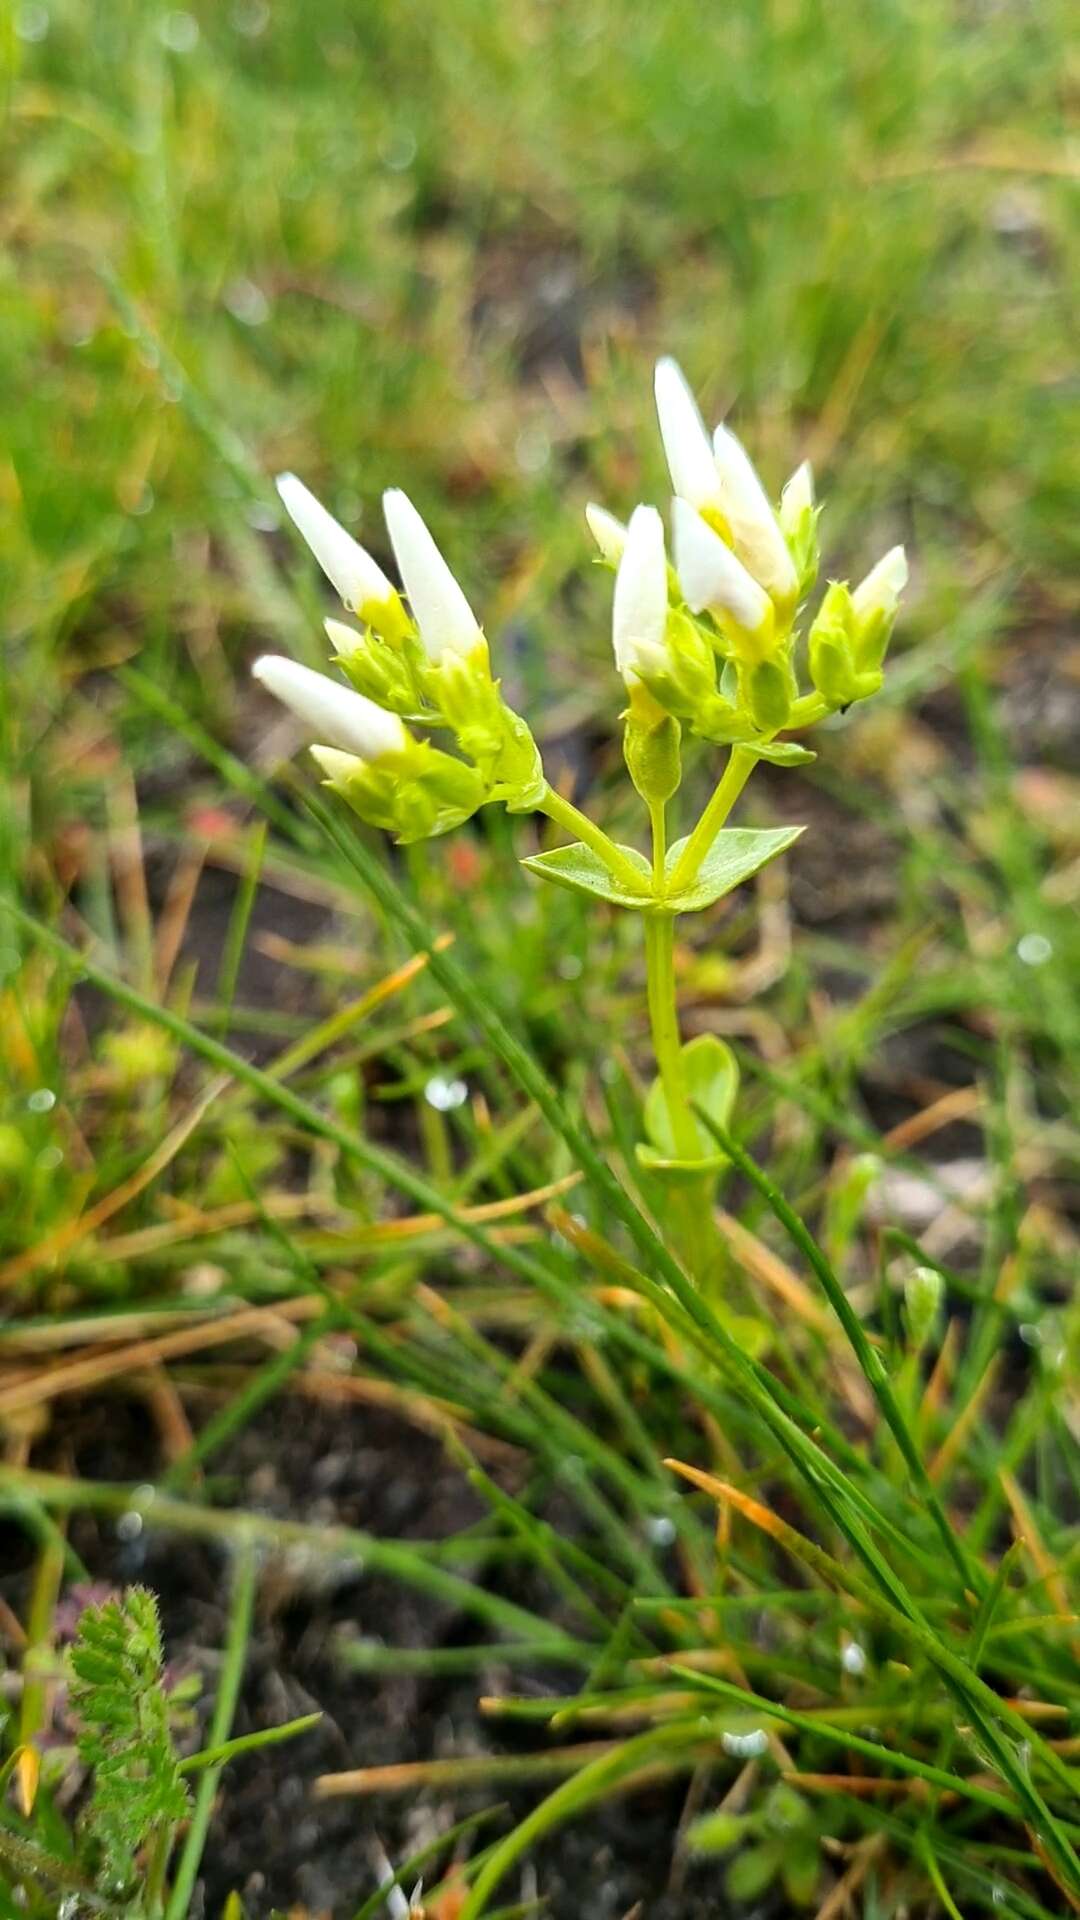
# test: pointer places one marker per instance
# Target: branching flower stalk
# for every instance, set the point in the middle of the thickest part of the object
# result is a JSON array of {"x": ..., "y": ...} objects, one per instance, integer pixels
[{"x": 710, "y": 644}]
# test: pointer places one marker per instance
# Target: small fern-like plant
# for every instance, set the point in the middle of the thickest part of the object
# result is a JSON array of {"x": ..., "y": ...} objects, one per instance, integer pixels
[{"x": 121, "y": 1709}]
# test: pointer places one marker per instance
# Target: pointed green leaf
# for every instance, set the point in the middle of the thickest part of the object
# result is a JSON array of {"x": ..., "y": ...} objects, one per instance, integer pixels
[
  {"x": 736, "y": 855},
  {"x": 582, "y": 870},
  {"x": 780, "y": 753}
]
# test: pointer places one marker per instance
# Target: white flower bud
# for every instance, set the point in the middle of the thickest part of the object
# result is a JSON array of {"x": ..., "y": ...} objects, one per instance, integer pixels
[
  {"x": 335, "y": 764},
  {"x": 343, "y": 639},
  {"x": 880, "y": 591},
  {"x": 711, "y": 576},
  {"x": 359, "y": 579},
  {"x": 443, "y": 615},
  {"x": 796, "y": 499},
  {"x": 639, "y": 611},
  {"x": 754, "y": 526},
  {"x": 686, "y": 439},
  {"x": 331, "y": 712},
  {"x": 609, "y": 533}
]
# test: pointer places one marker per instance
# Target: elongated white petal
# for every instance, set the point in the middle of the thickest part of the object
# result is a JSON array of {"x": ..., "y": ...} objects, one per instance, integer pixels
[
  {"x": 711, "y": 576},
  {"x": 358, "y": 578},
  {"x": 796, "y": 498},
  {"x": 755, "y": 530},
  {"x": 331, "y": 712},
  {"x": 439, "y": 607},
  {"x": 609, "y": 533},
  {"x": 686, "y": 439},
  {"x": 881, "y": 590},
  {"x": 639, "y": 611}
]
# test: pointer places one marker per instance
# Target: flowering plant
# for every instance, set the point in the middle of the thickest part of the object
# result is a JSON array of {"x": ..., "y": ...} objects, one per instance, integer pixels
[{"x": 707, "y": 644}]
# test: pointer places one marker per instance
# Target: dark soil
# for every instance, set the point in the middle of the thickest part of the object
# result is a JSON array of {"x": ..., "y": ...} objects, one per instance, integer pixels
[{"x": 272, "y": 1841}]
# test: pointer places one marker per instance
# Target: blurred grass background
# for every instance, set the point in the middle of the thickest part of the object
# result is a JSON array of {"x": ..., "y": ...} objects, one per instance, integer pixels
[{"x": 441, "y": 245}]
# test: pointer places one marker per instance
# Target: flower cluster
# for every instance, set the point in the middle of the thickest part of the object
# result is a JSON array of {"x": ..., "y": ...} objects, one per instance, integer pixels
[
  {"x": 708, "y": 643},
  {"x": 711, "y": 642},
  {"x": 428, "y": 665}
]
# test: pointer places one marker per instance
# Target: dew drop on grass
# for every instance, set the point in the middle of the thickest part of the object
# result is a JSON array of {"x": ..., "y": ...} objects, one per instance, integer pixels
[
  {"x": 32, "y": 23},
  {"x": 532, "y": 450},
  {"x": 660, "y": 1530},
  {"x": 1034, "y": 949},
  {"x": 853, "y": 1658},
  {"x": 570, "y": 967},
  {"x": 398, "y": 150},
  {"x": 745, "y": 1746},
  {"x": 42, "y": 1100},
  {"x": 444, "y": 1095},
  {"x": 251, "y": 17},
  {"x": 129, "y": 1525},
  {"x": 247, "y": 302},
  {"x": 179, "y": 31},
  {"x": 49, "y": 1159}
]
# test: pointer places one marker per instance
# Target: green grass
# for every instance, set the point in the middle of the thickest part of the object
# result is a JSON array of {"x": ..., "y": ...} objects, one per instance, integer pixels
[{"x": 440, "y": 247}]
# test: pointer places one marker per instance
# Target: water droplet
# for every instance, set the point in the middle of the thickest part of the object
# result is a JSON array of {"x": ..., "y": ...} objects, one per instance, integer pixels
[
  {"x": 49, "y": 1159},
  {"x": 32, "y": 23},
  {"x": 745, "y": 1746},
  {"x": 570, "y": 967},
  {"x": 42, "y": 1100},
  {"x": 251, "y": 17},
  {"x": 398, "y": 150},
  {"x": 444, "y": 1095},
  {"x": 130, "y": 1525},
  {"x": 179, "y": 31},
  {"x": 247, "y": 302},
  {"x": 1034, "y": 950},
  {"x": 853, "y": 1658},
  {"x": 660, "y": 1530},
  {"x": 262, "y": 517},
  {"x": 532, "y": 450}
]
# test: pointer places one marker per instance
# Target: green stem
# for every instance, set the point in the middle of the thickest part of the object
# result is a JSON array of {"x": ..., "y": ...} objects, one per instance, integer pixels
[
  {"x": 740, "y": 765},
  {"x": 232, "y": 1672},
  {"x": 658, "y": 820},
  {"x": 157, "y": 1867},
  {"x": 565, "y": 814},
  {"x": 664, "y": 1022}
]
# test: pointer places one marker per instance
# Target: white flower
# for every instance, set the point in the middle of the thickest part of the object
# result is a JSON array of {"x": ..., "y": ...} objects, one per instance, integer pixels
[
  {"x": 711, "y": 576},
  {"x": 639, "y": 611},
  {"x": 443, "y": 615},
  {"x": 609, "y": 533},
  {"x": 796, "y": 499},
  {"x": 690, "y": 459},
  {"x": 754, "y": 526},
  {"x": 358, "y": 578},
  {"x": 880, "y": 591},
  {"x": 332, "y": 713}
]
